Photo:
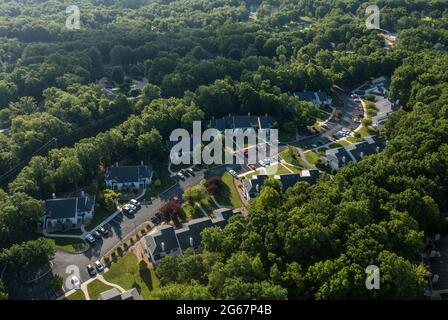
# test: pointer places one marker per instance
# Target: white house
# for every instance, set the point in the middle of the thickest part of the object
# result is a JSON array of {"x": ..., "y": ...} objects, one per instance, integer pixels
[
  {"x": 68, "y": 213},
  {"x": 128, "y": 177}
]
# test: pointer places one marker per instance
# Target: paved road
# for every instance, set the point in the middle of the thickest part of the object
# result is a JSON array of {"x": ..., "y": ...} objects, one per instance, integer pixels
[
  {"x": 120, "y": 227},
  {"x": 349, "y": 110}
]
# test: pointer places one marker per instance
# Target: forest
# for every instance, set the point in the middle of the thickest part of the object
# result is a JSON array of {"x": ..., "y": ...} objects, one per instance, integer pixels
[{"x": 205, "y": 59}]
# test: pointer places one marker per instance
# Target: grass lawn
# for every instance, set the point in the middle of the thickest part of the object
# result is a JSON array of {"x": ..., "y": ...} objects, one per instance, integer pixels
[
  {"x": 95, "y": 288},
  {"x": 192, "y": 212},
  {"x": 341, "y": 143},
  {"x": 293, "y": 169},
  {"x": 70, "y": 245},
  {"x": 161, "y": 169},
  {"x": 70, "y": 232},
  {"x": 232, "y": 199},
  {"x": 99, "y": 216},
  {"x": 312, "y": 157},
  {"x": 77, "y": 295},
  {"x": 292, "y": 159},
  {"x": 364, "y": 132},
  {"x": 127, "y": 273}
]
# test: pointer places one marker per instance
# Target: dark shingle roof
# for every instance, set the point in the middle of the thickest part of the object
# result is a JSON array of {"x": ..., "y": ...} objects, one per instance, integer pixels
[
  {"x": 126, "y": 174},
  {"x": 246, "y": 121},
  {"x": 190, "y": 234},
  {"x": 68, "y": 207},
  {"x": 162, "y": 234}
]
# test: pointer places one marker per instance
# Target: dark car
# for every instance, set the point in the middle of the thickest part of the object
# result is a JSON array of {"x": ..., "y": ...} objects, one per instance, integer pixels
[
  {"x": 158, "y": 215},
  {"x": 185, "y": 172},
  {"x": 91, "y": 270},
  {"x": 155, "y": 220}
]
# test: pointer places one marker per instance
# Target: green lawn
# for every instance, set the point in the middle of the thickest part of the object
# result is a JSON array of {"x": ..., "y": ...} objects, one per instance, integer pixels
[
  {"x": 70, "y": 245},
  {"x": 77, "y": 295},
  {"x": 192, "y": 212},
  {"x": 232, "y": 199},
  {"x": 166, "y": 181},
  {"x": 312, "y": 157},
  {"x": 99, "y": 216},
  {"x": 95, "y": 288},
  {"x": 292, "y": 158},
  {"x": 70, "y": 232},
  {"x": 341, "y": 143},
  {"x": 127, "y": 273}
]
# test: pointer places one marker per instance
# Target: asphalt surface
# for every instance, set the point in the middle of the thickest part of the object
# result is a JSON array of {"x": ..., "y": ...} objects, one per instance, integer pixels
[{"x": 119, "y": 228}]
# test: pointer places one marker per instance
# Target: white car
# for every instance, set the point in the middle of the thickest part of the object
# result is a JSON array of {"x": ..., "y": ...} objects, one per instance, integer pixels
[
  {"x": 99, "y": 266},
  {"x": 75, "y": 282},
  {"x": 233, "y": 173},
  {"x": 261, "y": 163},
  {"x": 90, "y": 239}
]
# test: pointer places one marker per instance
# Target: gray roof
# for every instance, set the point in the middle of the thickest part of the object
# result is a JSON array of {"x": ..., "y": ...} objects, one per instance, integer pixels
[
  {"x": 127, "y": 174},
  {"x": 253, "y": 186},
  {"x": 356, "y": 151},
  {"x": 190, "y": 235},
  {"x": 114, "y": 294},
  {"x": 68, "y": 207},
  {"x": 223, "y": 215},
  {"x": 162, "y": 234},
  {"x": 246, "y": 121},
  {"x": 305, "y": 96}
]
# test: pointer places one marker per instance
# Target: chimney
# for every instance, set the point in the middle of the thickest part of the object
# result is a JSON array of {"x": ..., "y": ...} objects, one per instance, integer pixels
[
  {"x": 116, "y": 164},
  {"x": 248, "y": 113},
  {"x": 141, "y": 163},
  {"x": 377, "y": 149},
  {"x": 343, "y": 159},
  {"x": 191, "y": 242},
  {"x": 53, "y": 195},
  {"x": 266, "y": 115},
  {"x": 361, "y": 154},
  {"x": 83, "y": 194},
  {"x": 162, "y": 244}
]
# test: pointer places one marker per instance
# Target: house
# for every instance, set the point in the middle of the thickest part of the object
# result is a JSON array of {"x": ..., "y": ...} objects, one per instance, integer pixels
[
  {"x": 114, "y": 294},
  {"x": 252, "y": 187},
  {"x": 68, "y": 213},
  {"x": 290, "y": 179},
  {"x": 164, "y": 240},
  {"x": 384, "y": 107},
  {"x": 242, "y": 122},
  {"x": 128, "y": 177},
  {"x": 337, "y": 158},
  {"x": 189, "y": 236},
  {"x": 320, "y": 98}
]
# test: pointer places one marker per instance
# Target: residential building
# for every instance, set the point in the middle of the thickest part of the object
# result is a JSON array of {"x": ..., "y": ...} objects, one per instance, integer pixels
[
  {"x": 114, "y": 294},
  {"x": 68, "y": 213},
  {"x": 242, "y": 122},
  {"x": 164, "y": 240},
  {"x": 319, "y": 97},
  {"x": 384, "y": 107},
  {"x": 129, "y": 177},
  {"x": 337, "y": 158},
  {"x": 252, "y": 187}
]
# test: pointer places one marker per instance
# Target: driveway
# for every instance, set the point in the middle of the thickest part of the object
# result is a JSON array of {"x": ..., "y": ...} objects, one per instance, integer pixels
[{"x": 119, "y": 228}]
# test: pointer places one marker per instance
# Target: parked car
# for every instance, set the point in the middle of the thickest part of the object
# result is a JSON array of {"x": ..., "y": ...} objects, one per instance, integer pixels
[
  {"x": 191, "y": 171},
  {"x": 158, "y": 215},
  {"x": 233, "y": 173},
  {"x": 75, "y": 282},
  {"x": 135, "y": 203},
  {"x": 185, "y": 172},
  {"x": 103, "y": 231},
  {"x": 96, "y": 234},
  {"x": 91, "y": 270},
  {"x": 90, "y": 239},
  {"x": 128, "y": 210},
  {"x": 261, "y": 163},
  {"x": 99, "y": 266},
  {"x": 155, "y": 220},
  {"x": 314, "y": 145},
  {"x": 180, "y": 176}
]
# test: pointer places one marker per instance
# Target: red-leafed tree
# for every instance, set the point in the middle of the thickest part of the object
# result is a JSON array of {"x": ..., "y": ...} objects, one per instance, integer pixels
[
  {"x": 215, "y": 185},
  {"x": 171, "y": 210}
]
